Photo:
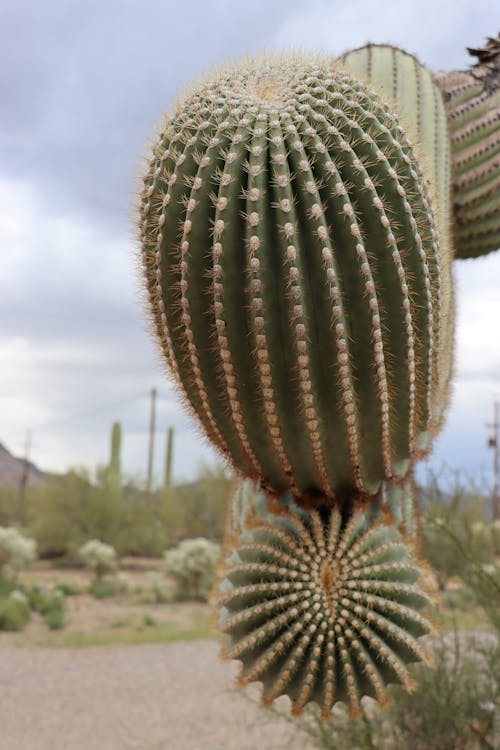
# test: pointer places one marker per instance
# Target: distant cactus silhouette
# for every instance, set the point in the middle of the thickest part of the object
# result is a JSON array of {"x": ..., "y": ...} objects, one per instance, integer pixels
[{"x": 113, "y": 471}]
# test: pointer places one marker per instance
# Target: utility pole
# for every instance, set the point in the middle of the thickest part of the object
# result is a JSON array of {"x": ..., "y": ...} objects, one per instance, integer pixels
[
  {"x": 152, "y": 424},
  {"x": 494, "y": 442}
]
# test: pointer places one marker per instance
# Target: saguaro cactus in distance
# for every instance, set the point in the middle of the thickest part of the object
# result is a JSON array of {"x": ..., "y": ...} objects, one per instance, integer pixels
[
  {"x": 296, "y": 278},
  {"x": 472, "y": 99},
  {"x": 113, "y": 471}
]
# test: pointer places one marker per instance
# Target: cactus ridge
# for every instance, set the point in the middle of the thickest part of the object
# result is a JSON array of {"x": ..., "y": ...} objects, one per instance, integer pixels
[
  {"x": 295, "y": 277},
  {"x": 320, "y": 609},
  {"x": 409, "y": 85},
  {"x": 401, "y": 77},
  {"x": 472, "y": 99}
]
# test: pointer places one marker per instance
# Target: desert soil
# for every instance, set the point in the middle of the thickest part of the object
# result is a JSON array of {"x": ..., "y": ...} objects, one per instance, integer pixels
[{"x": 176, "y": 696}]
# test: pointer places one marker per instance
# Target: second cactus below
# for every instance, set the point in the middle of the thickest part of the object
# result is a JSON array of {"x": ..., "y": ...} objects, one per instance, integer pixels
[{"x": 318, "y": 607}]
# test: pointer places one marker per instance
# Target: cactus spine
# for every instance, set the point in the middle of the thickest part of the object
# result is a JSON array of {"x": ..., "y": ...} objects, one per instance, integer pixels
[
  {"x": 472, "y": 99},
  {"x": 296, "y": 278}
]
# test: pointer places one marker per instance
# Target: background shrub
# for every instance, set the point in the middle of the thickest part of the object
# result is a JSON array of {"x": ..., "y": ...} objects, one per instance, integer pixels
[
  {"x": 14, "y": 612},
  {"x": 16, "y": 551},
  {"x": 192, "y": 565},
  {"x": 98, "y": 557}
]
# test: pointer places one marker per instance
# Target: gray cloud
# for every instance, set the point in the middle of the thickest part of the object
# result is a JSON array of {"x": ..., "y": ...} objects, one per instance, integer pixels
[
  {"x": 84, "y": 83},
  {"x": 83, "y": 86}
]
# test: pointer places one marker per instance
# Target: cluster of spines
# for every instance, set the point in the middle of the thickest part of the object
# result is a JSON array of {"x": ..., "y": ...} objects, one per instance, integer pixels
[
  {"x": 282, "y": 195},
  {"x": 472, "y": 100},
  {"x": 318, "y": 608}
]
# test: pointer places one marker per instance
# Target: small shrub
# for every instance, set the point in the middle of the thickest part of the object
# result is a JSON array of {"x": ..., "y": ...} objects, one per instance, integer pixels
[
  {"x": 192, "y": 565},
  {"x": 14, "y": 613},
  {"x": 68, "y": 589},
  {"x": 162, "y": 592},
  {"x": 103, "y": 589},
  {"x": 16, "y": 551},
  {"x": 98, "y": 557},
  {"x": 54, "y": 611},
  {"x": 122, "y": 583}
]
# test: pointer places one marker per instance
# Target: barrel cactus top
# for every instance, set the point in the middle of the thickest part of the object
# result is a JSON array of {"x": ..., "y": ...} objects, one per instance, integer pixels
[{"x": 295, "y": 277}]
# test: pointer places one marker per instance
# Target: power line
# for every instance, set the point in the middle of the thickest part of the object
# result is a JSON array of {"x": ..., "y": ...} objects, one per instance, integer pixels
[{"x": 91, "y": 412}]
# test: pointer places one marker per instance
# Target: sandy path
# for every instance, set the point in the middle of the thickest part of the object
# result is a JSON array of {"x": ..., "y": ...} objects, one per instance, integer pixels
[{"x": 176, "y": 696}]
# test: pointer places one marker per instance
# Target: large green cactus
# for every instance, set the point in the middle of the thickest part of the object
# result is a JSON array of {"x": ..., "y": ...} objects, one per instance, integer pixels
[
  {"x": 315, "y": 607},
  {"x": 472, "y": 99},
  {"x": 297, "y": 284}
]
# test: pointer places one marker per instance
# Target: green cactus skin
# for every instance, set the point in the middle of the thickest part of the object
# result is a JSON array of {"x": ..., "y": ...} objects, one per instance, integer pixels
[
  {"x": 113, "y": 473},
  {"x": 318, "y": 608},
  {"x": 409, "y": 86},
  {"x": 295, "y": 278},
  {"x": 402, "y": 79},
  {"x": 472, "y": 100}
]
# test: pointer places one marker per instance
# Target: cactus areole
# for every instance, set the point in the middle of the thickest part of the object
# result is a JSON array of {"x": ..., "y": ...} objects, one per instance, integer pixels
[{"x": 295, "y": 277}]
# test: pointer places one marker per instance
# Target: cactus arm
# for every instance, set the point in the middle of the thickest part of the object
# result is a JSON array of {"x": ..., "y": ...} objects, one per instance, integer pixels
[{"x": 472, "y": 100}]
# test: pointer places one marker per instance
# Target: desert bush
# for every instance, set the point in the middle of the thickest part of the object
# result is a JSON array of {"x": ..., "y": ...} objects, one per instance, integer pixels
[
  {"x": 10, "y": 512},
  {"x": 66, "y": 510},
  {"x": 162, "y": 592},
  {"x": 200, "y": 506},
  {"x": 103, "y": 588},
  {"x": 53, "y": 610},
  {"x": 68, "y": 589},
  {"x": 98, "y": 557},
  {"x": 447, "y": 527},
  {"x": 16, "y": 551},
  {"x": 14, "y": 611},
  {"x": 192, "y": 565},
  {"x": 142, "y": 529}
]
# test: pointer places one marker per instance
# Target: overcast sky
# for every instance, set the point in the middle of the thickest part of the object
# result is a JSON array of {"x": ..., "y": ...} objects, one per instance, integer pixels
[{"x": 83, "y": 84}]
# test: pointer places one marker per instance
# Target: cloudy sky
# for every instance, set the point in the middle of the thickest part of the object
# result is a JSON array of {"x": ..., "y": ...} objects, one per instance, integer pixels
[{"x": 84, "y": 83}]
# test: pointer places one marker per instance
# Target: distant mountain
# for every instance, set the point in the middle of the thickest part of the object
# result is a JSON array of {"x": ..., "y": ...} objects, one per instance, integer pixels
[{"x": 13, "y": 469}]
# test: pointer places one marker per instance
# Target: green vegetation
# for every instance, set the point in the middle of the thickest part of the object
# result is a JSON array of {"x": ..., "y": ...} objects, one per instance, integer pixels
[
  {"x": 192, "y": 566},
  {"x": 64, "y": 512}
]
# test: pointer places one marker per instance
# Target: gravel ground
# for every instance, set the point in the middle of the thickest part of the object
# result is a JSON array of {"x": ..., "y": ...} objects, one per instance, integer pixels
[{"x": 176, "y": 696}]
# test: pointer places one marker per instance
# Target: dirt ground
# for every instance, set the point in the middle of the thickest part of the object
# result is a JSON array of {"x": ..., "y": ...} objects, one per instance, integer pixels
[{"x": 176, "y": 696}]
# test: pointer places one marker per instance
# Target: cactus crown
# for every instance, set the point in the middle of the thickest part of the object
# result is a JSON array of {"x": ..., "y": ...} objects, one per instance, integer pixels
[
  {"x": 318, "y": 608},
  {"x": 294, "y": 276}
]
